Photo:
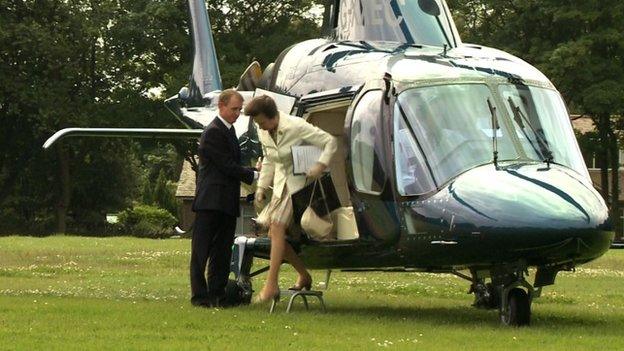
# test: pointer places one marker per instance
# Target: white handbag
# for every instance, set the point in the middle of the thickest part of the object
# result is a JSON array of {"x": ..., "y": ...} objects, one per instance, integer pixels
[{"x": 317, "y": 227}]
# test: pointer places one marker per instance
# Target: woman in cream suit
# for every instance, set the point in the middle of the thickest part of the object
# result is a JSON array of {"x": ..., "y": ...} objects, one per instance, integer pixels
[{"x": 278, "y": 133}]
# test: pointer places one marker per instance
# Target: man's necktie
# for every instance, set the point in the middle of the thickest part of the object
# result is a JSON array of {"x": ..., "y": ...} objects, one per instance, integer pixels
[
  {"x": 234, "y": 140},
  {"x": 232, "y": 134}
]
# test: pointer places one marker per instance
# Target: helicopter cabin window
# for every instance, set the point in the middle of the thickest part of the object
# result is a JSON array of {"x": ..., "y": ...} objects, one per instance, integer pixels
[
  {"x": 366, "y": 144},
  {"x": 413, "y": 175}
]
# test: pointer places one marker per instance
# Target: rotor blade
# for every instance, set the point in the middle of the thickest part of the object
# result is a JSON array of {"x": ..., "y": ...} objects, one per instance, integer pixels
[
  {"x": 206, "y": 76},
  {"x": 123, "y": 132}
]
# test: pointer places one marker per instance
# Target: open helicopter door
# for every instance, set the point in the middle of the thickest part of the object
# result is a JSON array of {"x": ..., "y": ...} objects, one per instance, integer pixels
[
  {"x": 327, "y": 110},
  {"x": 369, "y": 163}
]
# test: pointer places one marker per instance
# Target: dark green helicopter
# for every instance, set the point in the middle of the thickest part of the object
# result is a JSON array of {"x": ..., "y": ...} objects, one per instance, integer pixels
[{"x": 453, "y": 157}]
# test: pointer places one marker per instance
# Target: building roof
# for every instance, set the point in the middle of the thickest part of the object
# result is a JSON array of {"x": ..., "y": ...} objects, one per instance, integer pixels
[
  {"x": 186, "y": 184},
  {"x": 582, "y": 124}
]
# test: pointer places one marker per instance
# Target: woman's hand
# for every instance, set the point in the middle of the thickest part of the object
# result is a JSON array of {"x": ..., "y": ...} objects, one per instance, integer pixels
[
  {"x": 259, "y": 198},
  {"x": 316, "y": 171},
  {"x": 259, "y": 164}
]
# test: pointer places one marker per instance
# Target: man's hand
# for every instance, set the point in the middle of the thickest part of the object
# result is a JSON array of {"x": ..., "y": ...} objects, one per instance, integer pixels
[{"x": 316, "y": 171}]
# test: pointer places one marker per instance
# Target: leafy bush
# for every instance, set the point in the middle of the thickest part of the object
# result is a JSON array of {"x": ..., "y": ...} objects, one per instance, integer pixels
[
  {"x": 39, "y": 223},
  {"x": 164, "y": 193},
  {"x": 147, "y": 221}
]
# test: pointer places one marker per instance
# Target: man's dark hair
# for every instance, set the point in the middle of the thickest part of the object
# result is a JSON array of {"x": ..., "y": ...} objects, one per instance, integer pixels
[{"x": 262, "y": 105}]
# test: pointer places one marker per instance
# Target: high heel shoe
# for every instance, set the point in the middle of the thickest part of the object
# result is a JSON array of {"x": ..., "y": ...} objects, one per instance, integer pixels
[
  {"x": 261, "y": 298},
  {"x": 305, "y": 286}
]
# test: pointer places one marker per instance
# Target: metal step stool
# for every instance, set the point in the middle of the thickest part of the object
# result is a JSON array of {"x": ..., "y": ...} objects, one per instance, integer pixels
[{"x": 304, "y": 295}]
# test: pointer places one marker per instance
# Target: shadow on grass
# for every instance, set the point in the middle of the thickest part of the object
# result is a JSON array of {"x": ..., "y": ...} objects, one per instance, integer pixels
[
  {"x": 467, "y": 316},
  {"x": 434, "y": 315}
]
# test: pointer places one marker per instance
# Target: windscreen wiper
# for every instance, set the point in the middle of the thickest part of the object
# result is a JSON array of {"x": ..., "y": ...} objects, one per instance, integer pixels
[
  {"x": 519, "y": 117},
  {"x": 364, "y": 45},
  {"x": 495, "y": 128}
]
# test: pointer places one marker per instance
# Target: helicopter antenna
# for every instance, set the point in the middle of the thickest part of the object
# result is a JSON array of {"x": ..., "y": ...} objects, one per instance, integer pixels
[
  {"x": 330, "y": 17},
  {"x": 495, "y": 128},
  {"x": 387, "y": 79}
]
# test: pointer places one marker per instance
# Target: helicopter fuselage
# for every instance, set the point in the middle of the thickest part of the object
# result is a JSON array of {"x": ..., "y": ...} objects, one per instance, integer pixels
[{"x": 521, "y": 209}]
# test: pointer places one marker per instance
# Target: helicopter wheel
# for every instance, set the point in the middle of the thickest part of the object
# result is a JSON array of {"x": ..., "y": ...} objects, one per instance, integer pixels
[
  {"x": 517, "y": 311},
  {"x": 236, "y": 295}
]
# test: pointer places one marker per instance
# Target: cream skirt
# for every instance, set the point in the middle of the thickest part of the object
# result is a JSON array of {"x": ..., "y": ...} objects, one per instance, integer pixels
[{"x": 278, "y": 211}]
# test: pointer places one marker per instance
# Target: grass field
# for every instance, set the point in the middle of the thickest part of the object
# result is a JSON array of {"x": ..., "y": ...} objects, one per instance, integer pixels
[{"x": 63, "y": 292}]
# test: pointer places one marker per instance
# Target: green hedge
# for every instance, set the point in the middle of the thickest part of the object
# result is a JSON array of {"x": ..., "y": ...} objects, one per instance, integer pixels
[{"x": 147, "y": 222}]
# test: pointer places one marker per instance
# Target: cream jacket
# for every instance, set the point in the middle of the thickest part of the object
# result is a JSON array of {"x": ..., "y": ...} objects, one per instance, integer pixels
[{"x": 277, "y": 165}]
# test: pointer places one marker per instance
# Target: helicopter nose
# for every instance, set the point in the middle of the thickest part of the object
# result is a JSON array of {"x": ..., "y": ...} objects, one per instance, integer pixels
[
  {"x": 532, "y": 206},
  {"x": 530, "y": 196}
]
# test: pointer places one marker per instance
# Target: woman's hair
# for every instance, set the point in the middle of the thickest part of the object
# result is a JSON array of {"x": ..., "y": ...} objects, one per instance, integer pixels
[{"x": 262, "y": 105}]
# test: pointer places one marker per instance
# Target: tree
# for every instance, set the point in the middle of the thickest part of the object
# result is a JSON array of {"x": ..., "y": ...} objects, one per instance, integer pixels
[
  {"x": 164, "y": 194},
  {"x": 80, "y": 63},
  {"x": 248, "y": 30},
  {"x": 85, "y": 63}
]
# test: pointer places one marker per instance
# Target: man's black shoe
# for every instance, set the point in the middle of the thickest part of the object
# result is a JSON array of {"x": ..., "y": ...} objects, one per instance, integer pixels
[
  {"x": 224, "y": 303},
  {"x": 201, "y": 304},
  {"x": 213, "y": 302}
]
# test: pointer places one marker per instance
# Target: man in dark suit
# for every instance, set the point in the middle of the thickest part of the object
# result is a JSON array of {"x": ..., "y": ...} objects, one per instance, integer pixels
[{"x": 217, "y": 202}]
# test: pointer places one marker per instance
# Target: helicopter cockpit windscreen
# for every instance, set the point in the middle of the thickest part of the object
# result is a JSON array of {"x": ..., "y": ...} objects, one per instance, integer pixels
[
  {"x": 405, "y": 21},
  {"x": 543, "y": 125},
  {"x": 449, "y": 129},
  {"x": 453, "y": 126}
]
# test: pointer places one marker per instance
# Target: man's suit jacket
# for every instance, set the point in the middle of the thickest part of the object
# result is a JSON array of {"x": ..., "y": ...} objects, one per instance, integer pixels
[
  {"x": 277, "y": 166},
  {"x": 220, "y": 172}
]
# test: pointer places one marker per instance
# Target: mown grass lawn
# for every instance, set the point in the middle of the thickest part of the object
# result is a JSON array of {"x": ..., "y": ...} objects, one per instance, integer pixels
[{"x": 63, "y": 292}]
